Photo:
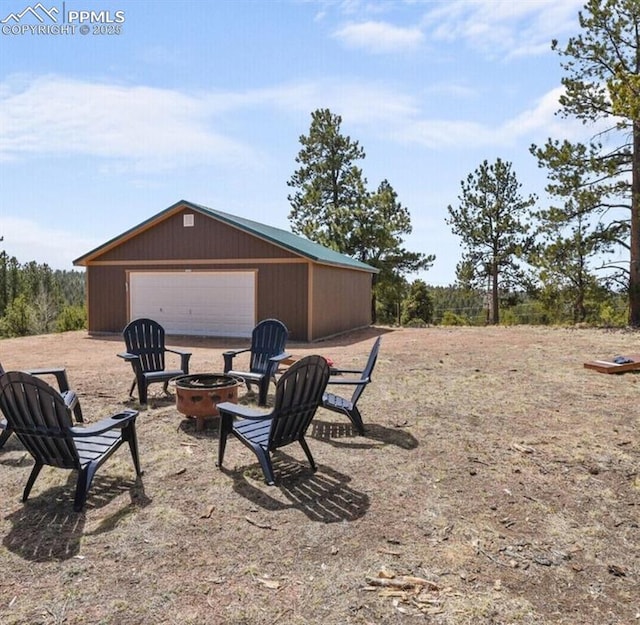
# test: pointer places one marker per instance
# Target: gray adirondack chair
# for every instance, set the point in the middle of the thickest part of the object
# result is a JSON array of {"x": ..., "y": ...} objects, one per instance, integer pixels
[
  {"x": 69, "y": 397},
  {"x": 348, "y": 405},
  {"x": 146, "y": 351},
  {"x": 40, "y": 418},
  {"x": 268, "y": 341},
  {"x": 298, "y": 395}
]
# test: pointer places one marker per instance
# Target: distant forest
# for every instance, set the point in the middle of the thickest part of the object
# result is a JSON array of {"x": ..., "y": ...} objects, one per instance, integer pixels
[{"x": 35, "y": 299}]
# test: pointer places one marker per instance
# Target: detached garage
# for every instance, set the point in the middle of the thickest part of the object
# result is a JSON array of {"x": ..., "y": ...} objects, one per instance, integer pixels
[{"x": 202, "y": 272}]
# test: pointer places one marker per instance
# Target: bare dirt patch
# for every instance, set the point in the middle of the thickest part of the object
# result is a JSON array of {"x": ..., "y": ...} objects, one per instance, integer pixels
[{"x": 497, "y": 483}]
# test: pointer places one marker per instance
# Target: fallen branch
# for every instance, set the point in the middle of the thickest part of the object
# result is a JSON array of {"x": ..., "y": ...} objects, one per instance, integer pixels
[{"x": 404, "y": 582}]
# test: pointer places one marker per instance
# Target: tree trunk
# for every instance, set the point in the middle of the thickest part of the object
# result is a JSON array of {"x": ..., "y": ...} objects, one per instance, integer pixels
[
  {"x": 634, "y": 258},
  {"x": 495, "y": 312},
  {"x": 374, "y": 280}
]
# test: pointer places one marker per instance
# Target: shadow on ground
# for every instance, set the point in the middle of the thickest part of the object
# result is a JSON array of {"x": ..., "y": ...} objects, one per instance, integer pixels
[
  {"x": 345, "y": 435},
  {"x": 46, "y": 528},
  {"x": 323, "y": 496}
]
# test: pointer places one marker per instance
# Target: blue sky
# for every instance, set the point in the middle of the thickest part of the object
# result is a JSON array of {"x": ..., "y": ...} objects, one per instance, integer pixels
[{"x": 206, "y": 101}]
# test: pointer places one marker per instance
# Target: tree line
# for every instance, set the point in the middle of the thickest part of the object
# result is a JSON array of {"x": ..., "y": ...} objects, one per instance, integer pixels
[
  {"x": 575, "y": 260},
  {"x": 35, "y": 299}
]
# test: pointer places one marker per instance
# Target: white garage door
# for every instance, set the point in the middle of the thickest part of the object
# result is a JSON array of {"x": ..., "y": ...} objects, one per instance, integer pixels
[{"x": 195, "y": 303}]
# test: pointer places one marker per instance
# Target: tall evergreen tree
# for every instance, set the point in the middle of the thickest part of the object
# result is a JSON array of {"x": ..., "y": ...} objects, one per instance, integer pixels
[
  {"x": 572, "y": 238},
  {"x": 329, "y": 186},
  {"x": 602, "y": 82},
  {"x": 332, "y": 206},
  {"x": 492, "y": 221}
]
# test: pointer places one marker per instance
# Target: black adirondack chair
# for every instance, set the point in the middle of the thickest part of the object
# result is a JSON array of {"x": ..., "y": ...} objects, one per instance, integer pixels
[
  {"x": 146, "y": 351},
  {"x": 268, "y": 341},
  {"x": 298, "y": 395},
  {"x": 69, "y": 397},
  {"x": 39, "y": 417},
  {"x": 348, "y": 406}
]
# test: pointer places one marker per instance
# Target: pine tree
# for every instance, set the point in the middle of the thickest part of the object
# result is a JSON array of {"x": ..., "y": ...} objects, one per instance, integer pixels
[{"x": 492, "y": 221}]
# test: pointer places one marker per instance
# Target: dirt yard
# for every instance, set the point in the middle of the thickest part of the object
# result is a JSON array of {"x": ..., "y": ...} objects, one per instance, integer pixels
[{"x": 497, "y": 483}]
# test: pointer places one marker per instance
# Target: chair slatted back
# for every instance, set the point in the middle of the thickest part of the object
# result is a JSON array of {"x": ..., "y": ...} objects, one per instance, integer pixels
[
  {"x": 268, "y": 339},
  {"x": 298, "y": 395},
  {"x": 37, "y": 414},
  {"x": 145, "y": 338},
  {"x": 367, "y": 371}
]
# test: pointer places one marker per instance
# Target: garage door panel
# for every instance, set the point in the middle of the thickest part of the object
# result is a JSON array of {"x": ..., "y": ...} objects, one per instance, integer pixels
[{"x": 202, "y": 303}]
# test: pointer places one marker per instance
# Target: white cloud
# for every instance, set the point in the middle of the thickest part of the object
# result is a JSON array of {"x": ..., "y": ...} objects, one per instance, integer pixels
[
  {"x": 534, "y": 124},
  {"x": 380, "y": 37},
  {"x": 502, "y": 28},
  {"x": 28, "y": 240},
  {"x": 358, "y": 103},
  {"x": 148, "y": 128}
]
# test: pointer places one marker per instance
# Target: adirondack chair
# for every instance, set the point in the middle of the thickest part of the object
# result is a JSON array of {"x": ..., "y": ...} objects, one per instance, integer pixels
[
  {"x": 268, "y": 341},
  {"x": 298, "y": 395},
  {"x": 69, "y": 397},
  {"x": 38, "y": 415},
  {"x": 348, "y": 406},
  {"x": 146, "y": 351}
]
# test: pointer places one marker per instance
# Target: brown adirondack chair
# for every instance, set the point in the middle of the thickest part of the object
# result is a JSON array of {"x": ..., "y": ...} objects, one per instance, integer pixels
[
  {"x": 268, "y": 341},
  {"x": 146, "y": 351},
  {"x": 298, "y": 395},
  {"x": 348, "y": 406},
  {"x": 40, "y": 418}
]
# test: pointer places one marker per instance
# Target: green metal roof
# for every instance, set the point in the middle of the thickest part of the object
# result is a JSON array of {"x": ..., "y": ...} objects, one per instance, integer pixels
[{"x": 283, "y": 238}]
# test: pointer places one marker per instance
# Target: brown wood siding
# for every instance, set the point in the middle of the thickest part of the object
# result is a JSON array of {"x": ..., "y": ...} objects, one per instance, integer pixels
[
  {"x": 281, "y": 293},
  {"x": 208, "y": 238},
  {"x": 106, "y": 299},
  {"x": 341, "y": 300}
]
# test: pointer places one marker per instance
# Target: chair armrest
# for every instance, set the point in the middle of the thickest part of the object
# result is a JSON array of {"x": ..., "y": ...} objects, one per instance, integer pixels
[
  {"x": 59, "y": 373},
  {"x": 237, "y": 410},
  {"x": 280, "y": 357},
  {"x": 180, "y": 352},
  {"x": 119, "y": 420},
  {"x": 230, "y": 354},
  {"x": 351, "y": 381},
  {"x": 337, "y": 371},
  {"x": 184, "y": 357},
  {"x": 127, "y": 356}
]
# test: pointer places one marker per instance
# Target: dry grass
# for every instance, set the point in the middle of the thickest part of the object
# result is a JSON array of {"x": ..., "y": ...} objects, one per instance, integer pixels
[{"x": 495, "y": 467}]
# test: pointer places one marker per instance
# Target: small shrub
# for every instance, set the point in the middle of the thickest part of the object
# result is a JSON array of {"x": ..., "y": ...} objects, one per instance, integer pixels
[
  {"x": 72, "y": 318},
  {"x": 18, "y": 318},
  {"x": 452, "y": 319},
  {"x": 416, "y": 322}
]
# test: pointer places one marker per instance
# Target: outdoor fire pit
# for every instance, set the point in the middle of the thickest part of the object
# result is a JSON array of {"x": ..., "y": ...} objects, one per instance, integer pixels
[{"x": 198, "y": 395}]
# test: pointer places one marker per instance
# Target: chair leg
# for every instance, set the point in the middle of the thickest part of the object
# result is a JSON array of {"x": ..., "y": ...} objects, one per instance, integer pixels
[
  {"x": 77, "y": 411},
  {"x": 129, "y": 434},
  {"x": 264, "y": 390},
  {"x": 307, "y": 451},
  {"x": 85, "y": 477},
  {"x": 265, "y": 462},
  {"x": 32, "y": 478},
  {"x": 226, "y": 423},
  {"x": 133, "y": 385},
  {"x": 6, "y": 433},
  {"x": 142, "y": 393},
  {"x": 356, "y": 419}
]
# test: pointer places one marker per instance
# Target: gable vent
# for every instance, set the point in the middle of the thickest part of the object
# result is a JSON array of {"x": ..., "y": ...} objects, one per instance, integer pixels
[{"x": 187, "y": 220}]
